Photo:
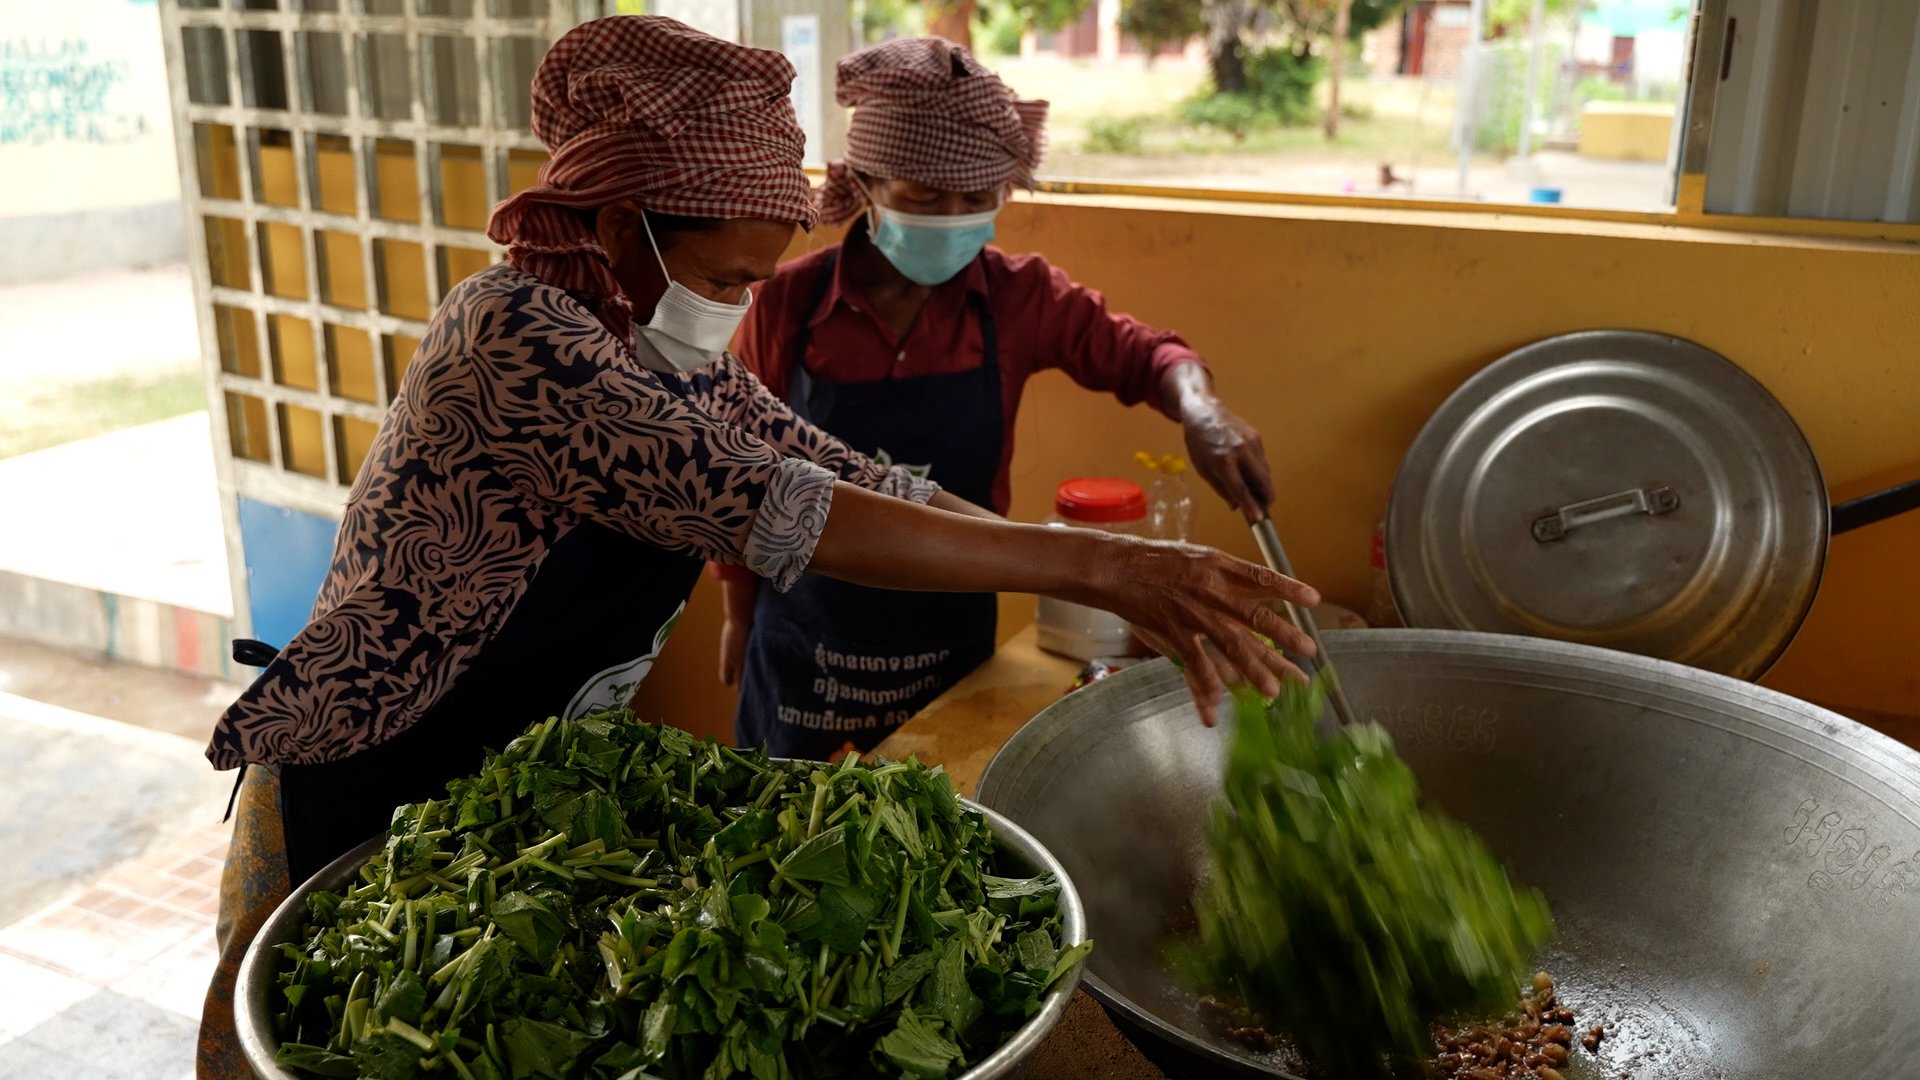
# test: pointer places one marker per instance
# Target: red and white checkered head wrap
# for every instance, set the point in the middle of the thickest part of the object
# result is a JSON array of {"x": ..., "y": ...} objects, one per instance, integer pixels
[
  {"x": 646, "y": 108},
  {"x": 926, "y": 110}
]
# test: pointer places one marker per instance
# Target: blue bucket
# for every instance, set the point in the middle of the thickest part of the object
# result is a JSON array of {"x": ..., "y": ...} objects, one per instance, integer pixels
[{"x": 1544, "y": 195}]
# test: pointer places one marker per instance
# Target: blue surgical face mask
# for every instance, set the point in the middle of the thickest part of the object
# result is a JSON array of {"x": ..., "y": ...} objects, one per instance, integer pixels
[{"x": 930, "y": 248}]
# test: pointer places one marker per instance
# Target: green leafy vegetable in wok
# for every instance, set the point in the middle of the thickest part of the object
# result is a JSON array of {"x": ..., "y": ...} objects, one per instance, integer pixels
[
  {"x": 1338, "y": 909},
  {"x": 611, "y": 899}
]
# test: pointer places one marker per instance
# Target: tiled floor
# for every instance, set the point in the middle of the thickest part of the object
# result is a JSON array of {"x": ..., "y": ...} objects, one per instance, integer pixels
[
  {"x": 112, "y": 841},
  {"x": 107, "y": 981}
]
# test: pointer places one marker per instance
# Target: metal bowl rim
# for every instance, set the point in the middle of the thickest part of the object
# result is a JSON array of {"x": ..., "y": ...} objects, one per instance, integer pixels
[{"x": 258, "y": 967}]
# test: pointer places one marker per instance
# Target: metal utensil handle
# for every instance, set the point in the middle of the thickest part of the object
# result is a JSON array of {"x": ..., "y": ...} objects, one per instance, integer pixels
[
  {"x": 1652, "y": 500},
  {"x": 1878, "y": 506},
  {"x": 1268, "y": 540}
]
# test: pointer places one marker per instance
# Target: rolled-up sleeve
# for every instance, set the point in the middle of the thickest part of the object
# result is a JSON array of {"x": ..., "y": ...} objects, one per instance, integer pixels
[
  {"x": 568, "y": 419},
  {"x": 731, "y": 392},
  {"x": 790, "y": 521}
]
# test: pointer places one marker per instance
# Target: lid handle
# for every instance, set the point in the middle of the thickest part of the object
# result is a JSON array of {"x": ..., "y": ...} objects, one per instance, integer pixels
[{"x": 1651, "y": 500}]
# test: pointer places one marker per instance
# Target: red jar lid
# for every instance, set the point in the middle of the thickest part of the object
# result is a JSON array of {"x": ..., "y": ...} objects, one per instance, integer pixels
[{"x": 1100, "y": 500}]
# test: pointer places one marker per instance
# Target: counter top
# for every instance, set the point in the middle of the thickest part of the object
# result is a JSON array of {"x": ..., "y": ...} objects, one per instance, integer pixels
[{"x": 962, "y": 730}]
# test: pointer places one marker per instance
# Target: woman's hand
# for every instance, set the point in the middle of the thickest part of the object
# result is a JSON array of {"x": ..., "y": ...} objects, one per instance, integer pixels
[
  {"x": 1205, "y": 608},
  {"x": 1224, "y": 448},
  {"x": 1227, "y": 451},
  {"x": 1202, "y": 606}
]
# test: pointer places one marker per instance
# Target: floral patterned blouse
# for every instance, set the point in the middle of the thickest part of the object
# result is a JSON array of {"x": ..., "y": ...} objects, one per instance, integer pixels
[{"x": 520, "y": 417}]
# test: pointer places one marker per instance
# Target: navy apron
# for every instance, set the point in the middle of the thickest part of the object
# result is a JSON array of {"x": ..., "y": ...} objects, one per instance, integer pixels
[
  {"x": 584, "y": 634},
  {"x": 828, "y": 663}
]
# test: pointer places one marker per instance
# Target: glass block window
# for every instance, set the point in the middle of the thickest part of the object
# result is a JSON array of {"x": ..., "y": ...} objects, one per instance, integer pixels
[{"x": 340, "y": 159}]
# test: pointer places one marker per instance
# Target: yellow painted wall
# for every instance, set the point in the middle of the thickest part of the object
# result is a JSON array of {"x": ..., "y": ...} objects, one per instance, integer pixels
[
  {"x": 1339, "y": 332},
  {"x": 1626, "y": 130}
]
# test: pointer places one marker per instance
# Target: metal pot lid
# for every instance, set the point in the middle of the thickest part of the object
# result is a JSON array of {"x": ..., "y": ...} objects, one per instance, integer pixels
[{"x": 1614, "y": 488}]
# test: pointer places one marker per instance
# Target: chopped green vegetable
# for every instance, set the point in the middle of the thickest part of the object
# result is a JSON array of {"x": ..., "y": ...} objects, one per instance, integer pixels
[
  {"x": 404, "y": 997},
  {"x": 317, "y": 1060},
  {"x": 531, "y": 924},
  {"x": 385, "y": 1055},
  {"x": 918, "y": 1048},
  {"x": 612, "y": 900},
  {"x": 541, "y": 1049},
  {"x": 823, "y": 858},
  {"x": 1037, "y": 953},
  {"x": 1339, "y": 910}
]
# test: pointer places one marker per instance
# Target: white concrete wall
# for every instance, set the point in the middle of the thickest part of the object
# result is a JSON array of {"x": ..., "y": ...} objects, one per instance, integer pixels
[
  {"x": 1659, "y": 55},
  {"x": 1659, "y": 61},
  {"x": 87, "y": 173}
]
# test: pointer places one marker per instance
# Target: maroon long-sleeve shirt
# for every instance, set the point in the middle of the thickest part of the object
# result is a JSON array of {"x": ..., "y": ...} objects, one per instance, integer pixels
[
  {"x": 1042, "y": 317},
  {"x": 1044, "y": 320}
]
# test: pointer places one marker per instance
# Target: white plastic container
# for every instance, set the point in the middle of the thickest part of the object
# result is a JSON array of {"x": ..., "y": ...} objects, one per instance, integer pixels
[{"x": 1091, "y": 502}]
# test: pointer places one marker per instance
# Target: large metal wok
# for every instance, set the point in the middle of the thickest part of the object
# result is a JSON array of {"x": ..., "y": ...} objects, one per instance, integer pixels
[{"x": 1735, "y": 874}]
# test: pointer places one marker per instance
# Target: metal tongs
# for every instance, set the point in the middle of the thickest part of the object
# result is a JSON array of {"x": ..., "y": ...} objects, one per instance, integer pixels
[{"x": 1271, "y": 550}]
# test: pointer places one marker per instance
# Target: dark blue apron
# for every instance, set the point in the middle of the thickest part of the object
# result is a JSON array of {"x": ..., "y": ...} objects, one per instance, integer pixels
[
  {"x": 584, "y": 634},
  {"x": 830, "y": 663}
]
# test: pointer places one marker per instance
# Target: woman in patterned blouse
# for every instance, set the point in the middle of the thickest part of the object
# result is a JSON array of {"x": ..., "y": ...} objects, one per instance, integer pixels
[{"x": 570, "y": 444}]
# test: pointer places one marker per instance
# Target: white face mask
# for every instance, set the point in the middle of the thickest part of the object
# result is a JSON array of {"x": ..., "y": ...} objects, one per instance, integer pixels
[{"x": 687, "y": 331}]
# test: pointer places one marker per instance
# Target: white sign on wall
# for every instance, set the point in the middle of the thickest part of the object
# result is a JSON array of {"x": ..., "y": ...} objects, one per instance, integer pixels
[
  {"x": 721, "y": 18},
  {"x": 84, "y": 119},
  {"x": 800, "y": 42}
]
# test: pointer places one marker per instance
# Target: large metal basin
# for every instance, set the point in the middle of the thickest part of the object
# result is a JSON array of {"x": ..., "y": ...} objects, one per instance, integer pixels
[
  {"x": 256, "y": 994},
  {"x": 1736, "y": 874}
]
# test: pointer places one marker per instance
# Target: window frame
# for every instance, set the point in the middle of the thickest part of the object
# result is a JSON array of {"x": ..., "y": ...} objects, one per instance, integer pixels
[{"x": 1694, "y": 125}]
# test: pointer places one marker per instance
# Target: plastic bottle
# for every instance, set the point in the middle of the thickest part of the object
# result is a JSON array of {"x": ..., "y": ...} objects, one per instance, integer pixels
[{"x": 1169, "y": 499}]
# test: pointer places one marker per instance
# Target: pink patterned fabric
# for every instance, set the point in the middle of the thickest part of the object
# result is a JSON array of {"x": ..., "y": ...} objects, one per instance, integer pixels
[
  {"x": 643, "y": 107},
  {"x": 926, "y": 110},
  {"x": 520, "y": 417}
]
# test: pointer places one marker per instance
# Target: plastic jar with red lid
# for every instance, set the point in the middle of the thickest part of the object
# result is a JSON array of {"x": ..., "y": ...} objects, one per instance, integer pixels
[
  {"x": 1101, "y": 502},
  {"x": 1112, "y": 505}
]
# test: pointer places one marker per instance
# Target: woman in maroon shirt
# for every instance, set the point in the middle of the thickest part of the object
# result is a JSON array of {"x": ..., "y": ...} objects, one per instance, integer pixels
[{"x": 912, "y": 342}]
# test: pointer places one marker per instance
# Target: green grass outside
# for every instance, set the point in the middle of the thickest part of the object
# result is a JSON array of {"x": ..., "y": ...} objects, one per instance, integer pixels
[
  {"x": 1369, "y": 139},
  {"x": 40, "y": 416}
]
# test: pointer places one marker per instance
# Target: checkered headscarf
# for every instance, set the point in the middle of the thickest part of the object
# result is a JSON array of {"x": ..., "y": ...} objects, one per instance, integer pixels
[
  {"x": 643, "y": 107},
  {"x": 926, "y": 110}
]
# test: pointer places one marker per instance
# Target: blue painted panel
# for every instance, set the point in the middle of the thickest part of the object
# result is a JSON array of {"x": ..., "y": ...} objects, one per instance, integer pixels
[{"x": 287, "y": 553}]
